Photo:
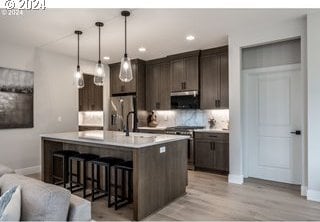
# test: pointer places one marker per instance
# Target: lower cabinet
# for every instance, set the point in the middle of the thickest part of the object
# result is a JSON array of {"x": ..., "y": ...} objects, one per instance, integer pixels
[{"x": 212, "y": 151}]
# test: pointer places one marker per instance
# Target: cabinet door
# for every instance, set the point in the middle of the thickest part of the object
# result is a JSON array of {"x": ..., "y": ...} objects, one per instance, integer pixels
[
  {"x": 115, "y": 84},
  {"x": 178, "y": 76},
  {"x": 203, "y": 154},
  {"x": 191, "y": 65},
  {"x": 98, "y": 98},
  {"x": 165, "y": 86},
  {"x": 81, "y": 108},
  {"x": 86, "y": 92},
  {"x": 209, "y": 66},
  {"x": 224, "y": 81},
  {"x": 221, "y": 156},
  {"x": 152, "y": 87}
]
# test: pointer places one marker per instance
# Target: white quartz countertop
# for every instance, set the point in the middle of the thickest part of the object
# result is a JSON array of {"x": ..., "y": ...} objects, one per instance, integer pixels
[
  {"x": 115, "y": 138},
  {"x": 208, "y": 130}
]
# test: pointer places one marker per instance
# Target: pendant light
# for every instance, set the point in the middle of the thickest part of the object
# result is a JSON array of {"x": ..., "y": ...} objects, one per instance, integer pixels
[
  {"x": 125, "y": 74},
  {"x": 99, "y": 73},
  {"x": 78, "y": 75}
]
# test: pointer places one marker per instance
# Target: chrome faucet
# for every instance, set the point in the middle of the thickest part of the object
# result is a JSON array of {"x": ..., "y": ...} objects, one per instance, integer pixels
[{"x": 127, "y": 127}]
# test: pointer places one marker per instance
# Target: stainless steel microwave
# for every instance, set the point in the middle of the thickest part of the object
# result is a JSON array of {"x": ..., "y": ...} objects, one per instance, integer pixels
[{"x": 185, "y": 100}]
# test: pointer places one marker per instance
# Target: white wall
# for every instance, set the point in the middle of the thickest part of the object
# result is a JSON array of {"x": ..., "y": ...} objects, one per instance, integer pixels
[
  {"x": 313, "y": 33},
  {"x": 251, "y": 36},
  {"x": 54, "y": 96}
]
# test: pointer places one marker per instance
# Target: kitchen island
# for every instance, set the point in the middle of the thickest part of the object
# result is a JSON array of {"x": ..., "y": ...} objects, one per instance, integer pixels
[{"x": 159, "y": 162}]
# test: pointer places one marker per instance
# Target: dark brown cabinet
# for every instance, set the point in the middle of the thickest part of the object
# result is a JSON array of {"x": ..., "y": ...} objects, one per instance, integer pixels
[
  {"x": 137, "y": 86},
  {"x": 214, "y": 81},
  {"x": 87, "y": 128},
  {"x": 212, "y": 151},
  {"x": 90, "y": 96},
  {"x": 119, "y": 87},
  {"x": 157, "y": 85},
  {"x": 203, "y": 154},
  {"x": 184, "y": 71}
]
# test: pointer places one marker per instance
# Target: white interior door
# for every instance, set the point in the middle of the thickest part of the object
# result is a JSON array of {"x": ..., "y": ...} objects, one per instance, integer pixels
[{"x": 273, "y": 112}]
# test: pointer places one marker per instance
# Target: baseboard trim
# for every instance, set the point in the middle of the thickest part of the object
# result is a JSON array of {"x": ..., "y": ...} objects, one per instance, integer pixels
[
  {"x": 234, "y": 178},
  {"x": 304, "y": 190},
  {"x": 313, "y": 195},
  {"x": 28, "y": 170}
]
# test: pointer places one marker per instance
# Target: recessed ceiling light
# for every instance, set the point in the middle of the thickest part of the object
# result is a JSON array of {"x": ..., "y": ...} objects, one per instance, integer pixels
[
  {"x": 142, "y": 49},
  {"x": 106, "y": 58},
  {"x": 190, "y": 37}
]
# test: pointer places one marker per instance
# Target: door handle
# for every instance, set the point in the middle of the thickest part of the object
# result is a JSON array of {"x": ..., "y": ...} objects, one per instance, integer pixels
[{"x": 297, "y": 132}]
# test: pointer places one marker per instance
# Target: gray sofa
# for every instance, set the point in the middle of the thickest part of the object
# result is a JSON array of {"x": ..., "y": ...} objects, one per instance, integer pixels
[{"x": 45, "y": 202}]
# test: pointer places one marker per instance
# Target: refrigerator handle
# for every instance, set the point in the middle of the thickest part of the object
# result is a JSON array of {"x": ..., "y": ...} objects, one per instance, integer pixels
[{"x": 135, "y": 116}]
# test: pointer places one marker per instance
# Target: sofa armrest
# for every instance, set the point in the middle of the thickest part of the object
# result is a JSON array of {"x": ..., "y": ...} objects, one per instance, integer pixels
[
  {"x": 4, "y": 170},
  {"x": 79, "y": 209}
]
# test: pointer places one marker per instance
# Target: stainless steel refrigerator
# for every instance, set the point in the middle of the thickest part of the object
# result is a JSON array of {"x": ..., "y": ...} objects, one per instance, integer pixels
[{"x": 120, "y": 107}]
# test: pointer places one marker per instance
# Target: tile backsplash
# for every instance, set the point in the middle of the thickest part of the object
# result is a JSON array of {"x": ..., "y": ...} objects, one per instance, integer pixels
[
  {"x": 91, "y": 118},
  {"x": 193, "y": 118}
]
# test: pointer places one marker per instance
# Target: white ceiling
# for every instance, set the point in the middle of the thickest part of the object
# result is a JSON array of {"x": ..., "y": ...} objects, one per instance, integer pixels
[{"x": 161, "y": 31}]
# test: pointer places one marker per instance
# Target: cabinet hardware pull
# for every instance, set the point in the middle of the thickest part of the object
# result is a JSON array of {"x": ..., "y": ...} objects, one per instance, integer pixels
[
  {"x": 213, "y": 136},
  {"x": 297, "y": 132}
]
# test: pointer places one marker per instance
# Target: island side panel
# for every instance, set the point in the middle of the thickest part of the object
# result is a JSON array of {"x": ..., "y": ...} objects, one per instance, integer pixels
[
  {"x": 159, "y": 178},
  {"x": 47, "y": 149}
]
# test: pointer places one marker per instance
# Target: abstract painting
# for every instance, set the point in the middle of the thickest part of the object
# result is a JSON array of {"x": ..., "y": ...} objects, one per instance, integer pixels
[{"x": 16, "y": 98}]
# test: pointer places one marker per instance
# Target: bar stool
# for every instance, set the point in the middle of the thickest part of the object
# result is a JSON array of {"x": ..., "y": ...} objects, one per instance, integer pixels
[
  {"x": 83, "y": 158},
  {"x": 64, "y": 155},
  {"x": 126, "y": 169},
  {"x": 107, "y": 163}
]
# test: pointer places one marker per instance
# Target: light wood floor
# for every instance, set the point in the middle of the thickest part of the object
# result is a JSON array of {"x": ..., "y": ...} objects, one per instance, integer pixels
[{"x": 211, "y": 197}]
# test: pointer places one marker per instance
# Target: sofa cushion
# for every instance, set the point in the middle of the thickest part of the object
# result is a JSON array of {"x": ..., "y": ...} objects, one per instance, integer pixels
[
  {"x": 4, "y": 170},
  {"x": 39, "y": 200}
]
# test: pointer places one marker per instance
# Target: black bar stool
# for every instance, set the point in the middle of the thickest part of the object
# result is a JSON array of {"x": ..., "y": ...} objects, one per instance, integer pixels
[
  {"x": 64, "y": 155},
  {"x": 107, "y": 163},
  {"x": 126, "y": 184},
  {"x": 83, "y": 158}
]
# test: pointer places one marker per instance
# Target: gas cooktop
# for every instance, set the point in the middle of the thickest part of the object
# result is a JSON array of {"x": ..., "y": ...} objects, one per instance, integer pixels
[{"x": 184, "y": 128}]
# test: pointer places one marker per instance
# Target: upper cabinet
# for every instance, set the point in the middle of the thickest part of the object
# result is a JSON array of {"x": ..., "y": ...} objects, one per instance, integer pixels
[
  {"x": 90, "y": 96},
  {"x": 135, "y": 86},
  {"x": 158, "y": 85},
  {"x": 184, "y": 71},
  {"x": 214, "y": 81}
]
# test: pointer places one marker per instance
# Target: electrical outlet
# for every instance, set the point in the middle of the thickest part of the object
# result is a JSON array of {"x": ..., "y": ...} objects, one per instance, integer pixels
[
  {"x": 166, "y": 118},
  {"x": 162, "y": 149},
  {"x": 59, "y": 119}
]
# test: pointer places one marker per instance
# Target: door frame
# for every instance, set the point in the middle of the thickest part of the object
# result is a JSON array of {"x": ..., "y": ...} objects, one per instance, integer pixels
[{"x": 244, "y": 82}]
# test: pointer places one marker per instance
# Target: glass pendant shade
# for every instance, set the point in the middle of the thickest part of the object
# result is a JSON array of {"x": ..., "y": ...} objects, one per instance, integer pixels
[
  {"x": 78, "y": 78},
  {"x": 125, "y": 74},
  {"x": 78, "y": 75},
  {"x": 99, "y": 74}
]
